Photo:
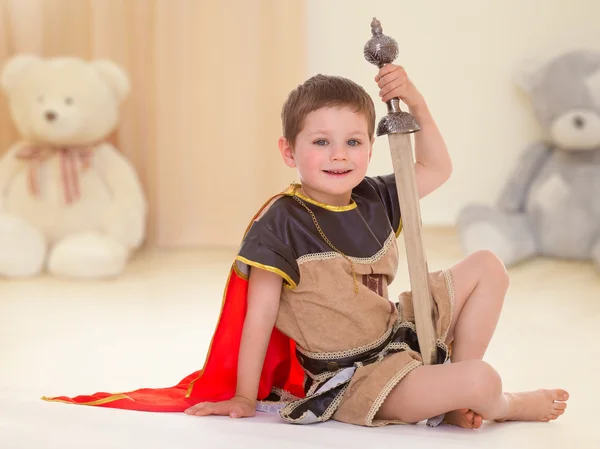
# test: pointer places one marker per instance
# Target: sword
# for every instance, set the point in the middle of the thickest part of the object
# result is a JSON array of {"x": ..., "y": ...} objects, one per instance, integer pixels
[{"x": 398, "y": 125}]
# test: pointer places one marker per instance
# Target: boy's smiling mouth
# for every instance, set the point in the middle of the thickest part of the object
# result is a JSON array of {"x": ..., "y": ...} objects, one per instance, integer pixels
[{"x": 337, "y": 172}]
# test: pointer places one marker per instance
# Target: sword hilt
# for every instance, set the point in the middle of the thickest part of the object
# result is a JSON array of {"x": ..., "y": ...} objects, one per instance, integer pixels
[{"x": 381, "y": 50}]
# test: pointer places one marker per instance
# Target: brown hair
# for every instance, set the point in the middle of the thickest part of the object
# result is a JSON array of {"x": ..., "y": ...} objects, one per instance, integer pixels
[{"x": 324, "y": 91}]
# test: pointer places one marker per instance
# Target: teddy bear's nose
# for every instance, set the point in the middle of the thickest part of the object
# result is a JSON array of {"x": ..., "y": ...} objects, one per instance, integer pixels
[
  {"x": 51, "y": 116},
  {"x": 578, "y": 122}
]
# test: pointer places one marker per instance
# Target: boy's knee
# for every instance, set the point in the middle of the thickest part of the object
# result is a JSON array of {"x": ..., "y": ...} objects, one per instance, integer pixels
[
  {"x": 493, "y": 267},
  {"x": 485, "y": 381}
]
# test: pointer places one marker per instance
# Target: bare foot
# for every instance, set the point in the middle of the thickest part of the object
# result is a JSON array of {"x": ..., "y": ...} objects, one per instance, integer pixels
[
  {"x": 464, "y": 418},
  {"x": 540, "y": 405}
]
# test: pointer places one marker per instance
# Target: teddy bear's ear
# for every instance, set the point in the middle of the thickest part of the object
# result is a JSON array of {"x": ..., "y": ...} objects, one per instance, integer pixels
[
  {"x": 114, "y": 75},
  {"x": 528, "y": 73},
  {"x": 14, "y": 68}
]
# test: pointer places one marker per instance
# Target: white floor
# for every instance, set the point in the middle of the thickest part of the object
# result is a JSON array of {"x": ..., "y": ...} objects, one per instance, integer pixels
[{"x": 152, "y": 327}]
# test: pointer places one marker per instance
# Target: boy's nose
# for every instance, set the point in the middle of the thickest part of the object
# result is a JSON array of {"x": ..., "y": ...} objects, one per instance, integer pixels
[{"x": 339, "y": 153}]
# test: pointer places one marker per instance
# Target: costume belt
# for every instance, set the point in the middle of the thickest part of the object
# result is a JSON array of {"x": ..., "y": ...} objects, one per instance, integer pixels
[
  {"x": 329, "y": 374},
  {"x": 319, "y": 364}
]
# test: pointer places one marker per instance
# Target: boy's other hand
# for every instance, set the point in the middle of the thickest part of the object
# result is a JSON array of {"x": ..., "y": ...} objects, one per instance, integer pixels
[
  {"x": 237, "y": 407},
  {"x": 394, "y": 82}
]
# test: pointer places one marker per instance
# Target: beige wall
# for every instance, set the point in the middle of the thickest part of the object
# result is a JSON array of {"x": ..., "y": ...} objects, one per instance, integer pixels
[
  {"x": 461, "y": 54},
  {"x": 208, "y": 78}
]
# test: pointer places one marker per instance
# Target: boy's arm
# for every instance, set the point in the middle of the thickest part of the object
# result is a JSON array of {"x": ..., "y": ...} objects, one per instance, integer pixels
[
  {"x": 433, "y": 165},
  {"x": 432, "y": 160},
  {"x": 264, "y": 291}
]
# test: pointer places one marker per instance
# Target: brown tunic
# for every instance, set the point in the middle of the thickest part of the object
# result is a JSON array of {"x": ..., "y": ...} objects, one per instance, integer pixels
[{"x": 337, "y": 263}]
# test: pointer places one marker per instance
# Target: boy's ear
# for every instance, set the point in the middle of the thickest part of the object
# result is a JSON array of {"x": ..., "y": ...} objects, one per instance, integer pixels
[{"x": 286, "y": 152}]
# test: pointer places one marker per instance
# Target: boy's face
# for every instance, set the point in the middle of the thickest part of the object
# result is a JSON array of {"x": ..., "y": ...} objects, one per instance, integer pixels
[{"x": 331, "y": 154}]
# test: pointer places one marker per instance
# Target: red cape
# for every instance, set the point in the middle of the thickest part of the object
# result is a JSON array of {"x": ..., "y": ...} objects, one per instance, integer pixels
[{"x": 217, "y": 380}]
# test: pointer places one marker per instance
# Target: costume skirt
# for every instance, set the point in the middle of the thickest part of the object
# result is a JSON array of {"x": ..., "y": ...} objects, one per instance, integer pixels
[{"x": 351, "y": 385}]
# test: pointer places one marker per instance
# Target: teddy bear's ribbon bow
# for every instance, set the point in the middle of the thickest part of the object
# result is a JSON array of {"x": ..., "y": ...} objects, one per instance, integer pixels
[{"x": 71, "y": 157}]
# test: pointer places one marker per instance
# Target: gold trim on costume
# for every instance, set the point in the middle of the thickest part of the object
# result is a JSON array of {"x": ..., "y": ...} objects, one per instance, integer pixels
[
  {"x": 244, "y": 276},
  {"x": 114, "y": 397},
  {"x": 292, "y": 190},
  {"x": 350, "y": 206},
  {"x": 399, "y": 230},
  {"x": 275, "y": 270}
]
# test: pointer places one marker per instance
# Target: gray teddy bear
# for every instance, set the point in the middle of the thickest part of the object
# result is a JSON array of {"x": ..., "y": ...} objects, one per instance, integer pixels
[{"x": 550, "y": 205}]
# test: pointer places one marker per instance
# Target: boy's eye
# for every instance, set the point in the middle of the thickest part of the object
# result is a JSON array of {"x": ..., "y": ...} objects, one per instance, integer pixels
[
  {"x": 320, "y": 142},
  {"x": 353, "y": 142}
]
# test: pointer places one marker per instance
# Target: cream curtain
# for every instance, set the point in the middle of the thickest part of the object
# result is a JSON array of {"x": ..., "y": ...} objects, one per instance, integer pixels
[{"x": 208, "y": 80}]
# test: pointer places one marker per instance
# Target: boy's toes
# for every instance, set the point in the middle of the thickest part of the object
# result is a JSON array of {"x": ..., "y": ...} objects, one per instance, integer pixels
[
  {"x": 464, "y": 418},
  {"x": 560, "y": 395}
]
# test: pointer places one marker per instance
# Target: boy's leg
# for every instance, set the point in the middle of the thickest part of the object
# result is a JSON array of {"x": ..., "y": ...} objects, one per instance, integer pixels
[
  {"x": 472, "y": 384},
  {"x": 480, "y": 284}
]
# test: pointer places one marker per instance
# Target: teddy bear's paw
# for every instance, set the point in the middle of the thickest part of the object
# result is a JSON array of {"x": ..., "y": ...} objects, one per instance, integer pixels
[
  {"x": 87, "y": 256},
  {"x": 22, "y": 248},
  {"x": 507, "y": 235}
]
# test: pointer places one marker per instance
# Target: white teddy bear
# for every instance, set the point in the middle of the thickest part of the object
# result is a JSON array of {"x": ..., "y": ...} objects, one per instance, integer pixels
[{"x": 70, "y": 202}]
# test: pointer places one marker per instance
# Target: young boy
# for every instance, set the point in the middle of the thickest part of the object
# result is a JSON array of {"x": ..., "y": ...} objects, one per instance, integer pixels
[
  {"x": 306, "y": 326},
  {"x": 319, "y": 259}
]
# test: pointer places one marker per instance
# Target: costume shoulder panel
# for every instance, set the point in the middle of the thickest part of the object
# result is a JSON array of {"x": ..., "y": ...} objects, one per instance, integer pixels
[
  {"x": 383, "y": 188},
  {"x": 265, "y": 247}
]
